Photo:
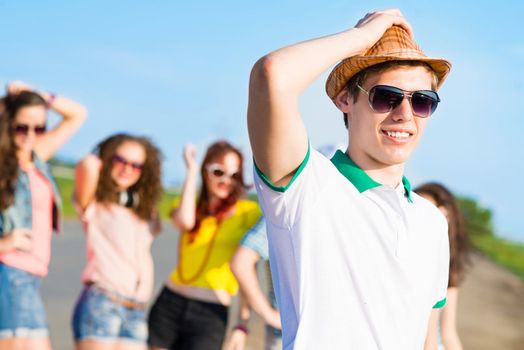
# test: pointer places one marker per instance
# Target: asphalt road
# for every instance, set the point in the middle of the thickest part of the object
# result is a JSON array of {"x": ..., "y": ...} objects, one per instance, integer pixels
[{"x": 490, "y": 315}]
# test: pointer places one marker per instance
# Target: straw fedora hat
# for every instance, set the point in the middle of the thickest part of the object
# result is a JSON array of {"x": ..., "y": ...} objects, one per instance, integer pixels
[{"x": 395, "y": 44}]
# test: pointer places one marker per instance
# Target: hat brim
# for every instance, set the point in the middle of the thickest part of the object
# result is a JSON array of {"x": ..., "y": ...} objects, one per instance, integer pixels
[{"x": 345, "y": 70}]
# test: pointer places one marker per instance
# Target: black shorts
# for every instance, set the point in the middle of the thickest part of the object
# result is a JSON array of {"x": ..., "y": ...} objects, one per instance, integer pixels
[{"x": 177, "y": 322}]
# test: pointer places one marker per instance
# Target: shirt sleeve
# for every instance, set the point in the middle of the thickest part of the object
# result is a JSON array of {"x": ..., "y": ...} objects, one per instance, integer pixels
[
  {"x": 282, "y": 205},
  {"x": 256, "y": 239}
]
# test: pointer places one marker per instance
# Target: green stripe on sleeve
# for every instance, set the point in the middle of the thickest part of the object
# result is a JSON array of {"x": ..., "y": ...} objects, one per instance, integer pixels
[
  {"x": 268, "y": 183},
  {"x": 440, "y": 304}
]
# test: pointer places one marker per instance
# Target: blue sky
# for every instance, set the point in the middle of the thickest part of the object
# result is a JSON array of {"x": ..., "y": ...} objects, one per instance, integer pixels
[{"x": 178, "y": 72}]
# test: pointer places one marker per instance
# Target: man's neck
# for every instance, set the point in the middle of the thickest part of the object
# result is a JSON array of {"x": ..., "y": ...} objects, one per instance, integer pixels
[{"x": 382, "y": 173}]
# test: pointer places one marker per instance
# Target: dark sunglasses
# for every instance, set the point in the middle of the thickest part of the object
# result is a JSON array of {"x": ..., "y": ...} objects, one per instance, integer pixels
[
  {"x": 124, "y": 162},
  {"x": 217, "y": 171},
  {"x": 385, "y": 98},
  {"x": 23, "y": 129}
]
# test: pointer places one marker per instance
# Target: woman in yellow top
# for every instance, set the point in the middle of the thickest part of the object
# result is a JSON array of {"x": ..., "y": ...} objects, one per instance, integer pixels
[{"x": 191, "y": 310}]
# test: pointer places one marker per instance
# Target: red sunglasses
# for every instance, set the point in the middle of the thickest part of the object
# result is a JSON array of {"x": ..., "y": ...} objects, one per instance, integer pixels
[
  {"x": 124, "y": 162},
  {"x": 23, "y": 129}
]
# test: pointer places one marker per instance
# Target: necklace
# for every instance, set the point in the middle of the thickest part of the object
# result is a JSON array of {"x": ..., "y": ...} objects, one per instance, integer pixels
[{"x": 200, "y": 270}]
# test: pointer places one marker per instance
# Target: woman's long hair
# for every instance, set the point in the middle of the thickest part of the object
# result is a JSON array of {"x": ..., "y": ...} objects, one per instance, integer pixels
[
  {"x": 214, "y": 152},
  {"x": 458, "y": 239},
  {"x": 149, "y": 185},
  {"x": 9, "y": 107}
]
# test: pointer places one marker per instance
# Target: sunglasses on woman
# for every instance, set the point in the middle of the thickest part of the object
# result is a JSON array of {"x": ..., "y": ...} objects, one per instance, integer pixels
[
  {"x": 23, "y": 129},
  {"x": 385, "y": 98},
  {"x": 220, "y": 173},
  {"x": 124, "y": 162}
]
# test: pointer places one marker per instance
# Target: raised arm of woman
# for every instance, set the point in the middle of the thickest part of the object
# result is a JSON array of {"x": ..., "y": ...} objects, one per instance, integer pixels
[
  {"x": 87, "y": 172},
  {"x": 73, "y": 116},
  {"x": 183, "y": 217}
]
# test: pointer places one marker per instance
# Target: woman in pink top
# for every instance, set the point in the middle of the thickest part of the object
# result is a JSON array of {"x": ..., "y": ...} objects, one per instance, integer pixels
[
  {"x": 116, "y": 193},
  {"x": 29, "y": 205}
]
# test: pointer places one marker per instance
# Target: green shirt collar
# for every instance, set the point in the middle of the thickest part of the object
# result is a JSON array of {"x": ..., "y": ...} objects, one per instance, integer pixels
[{"x": 358, "y": 177}]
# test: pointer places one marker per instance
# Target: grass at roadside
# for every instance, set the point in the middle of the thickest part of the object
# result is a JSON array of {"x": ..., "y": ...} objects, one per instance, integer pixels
[
  {"x": 506, "y": 253},
  {"x": 66, "y": 190},
  {"x": 503, "y": 252}
]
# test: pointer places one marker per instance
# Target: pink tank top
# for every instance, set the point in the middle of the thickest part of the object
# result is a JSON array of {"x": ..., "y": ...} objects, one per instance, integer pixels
[
  {"x": 36, "y": 261},
  {"x": 118, "y": 251}
]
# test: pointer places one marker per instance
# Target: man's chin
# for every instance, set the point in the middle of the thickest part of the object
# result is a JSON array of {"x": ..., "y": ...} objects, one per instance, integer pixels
[{"x": 396, "y": 159}]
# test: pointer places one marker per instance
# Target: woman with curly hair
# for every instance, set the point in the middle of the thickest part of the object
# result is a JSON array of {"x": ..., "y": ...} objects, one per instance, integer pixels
[
  {"x": 116, "y": 193},
  {"x": 190, "y": 312},
  {"x": 443, "y": 199},
  {"x": 29, "y": 207}
]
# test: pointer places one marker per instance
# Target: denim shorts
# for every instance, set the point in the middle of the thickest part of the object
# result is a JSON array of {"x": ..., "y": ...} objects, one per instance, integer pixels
[
  {"x": 22, "y": 312},
  {"x": 97, "y": 317}
]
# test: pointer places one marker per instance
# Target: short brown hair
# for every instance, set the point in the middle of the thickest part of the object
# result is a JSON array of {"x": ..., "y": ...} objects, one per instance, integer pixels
[{"x": 361, "y": 77}]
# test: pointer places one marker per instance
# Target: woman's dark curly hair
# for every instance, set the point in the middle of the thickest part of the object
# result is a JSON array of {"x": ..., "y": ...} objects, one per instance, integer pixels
[
  {"x": 149, "y": 185},
  {"x": 458, "y": 239},
  {"x": 215, "y": 151},
  {"x": 9, "y": 107}
]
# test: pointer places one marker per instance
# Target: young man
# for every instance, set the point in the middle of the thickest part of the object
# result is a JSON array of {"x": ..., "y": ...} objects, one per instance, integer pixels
[{"x": 358, "y": 260}]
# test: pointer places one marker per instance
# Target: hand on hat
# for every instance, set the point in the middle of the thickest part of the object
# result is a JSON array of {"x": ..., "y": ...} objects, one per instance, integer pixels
[{"x": 374, "y": 24}]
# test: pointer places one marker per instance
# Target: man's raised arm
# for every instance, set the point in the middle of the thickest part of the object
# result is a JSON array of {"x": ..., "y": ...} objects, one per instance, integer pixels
[{"x": 278, "y": 136}]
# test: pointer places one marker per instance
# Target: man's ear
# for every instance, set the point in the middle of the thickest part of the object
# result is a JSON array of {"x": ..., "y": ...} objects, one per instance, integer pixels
[{"x": 342, "y": 101}]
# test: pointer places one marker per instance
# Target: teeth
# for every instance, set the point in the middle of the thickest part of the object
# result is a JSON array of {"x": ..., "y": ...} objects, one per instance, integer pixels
[{"x": 398, "y": 134}]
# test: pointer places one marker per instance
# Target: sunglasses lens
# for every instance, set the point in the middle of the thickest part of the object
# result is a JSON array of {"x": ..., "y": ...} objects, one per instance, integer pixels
[
  {"x": 39, "y": 130},
  {"x": 137, "y": 166},
  {"x": 385, "y": 98},
  {"x": 218, "y": 172},
  {"x": 21, "y": 129},
  {"x": 424, "y": 103},
  {"x": 123, "y": 162},
  {"x": 119, "y": 160}
]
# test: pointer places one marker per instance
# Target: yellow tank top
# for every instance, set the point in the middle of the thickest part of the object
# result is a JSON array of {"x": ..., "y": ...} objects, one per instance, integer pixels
[{"x": 213, "y": 246}]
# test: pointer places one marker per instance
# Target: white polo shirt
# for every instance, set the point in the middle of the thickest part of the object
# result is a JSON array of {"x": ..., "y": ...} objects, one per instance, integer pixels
[{"x": 355, "y": 264}]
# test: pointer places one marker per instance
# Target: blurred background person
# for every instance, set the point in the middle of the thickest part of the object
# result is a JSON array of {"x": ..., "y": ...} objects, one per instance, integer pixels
[
  {"x": 116, "y": 193},
  {"x": 191, "y": 311},
  {"x": 443, "y": 199},
  {"x": 252, "y": 249},
  {"x": 29, "y": 207}
]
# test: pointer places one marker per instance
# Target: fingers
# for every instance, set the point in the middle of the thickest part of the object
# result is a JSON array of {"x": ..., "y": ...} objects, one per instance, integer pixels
[
  {"x": 399, "y": 20},
  {"x": 25, "y": 244},
  {"x": 92, "y": 162},
  {"x": 379, "y": 21},
  {"x": 15, "y": 87},
  {"x": 22, "y": 239},
  {"x": 23, "y": 232},
  {"x": 189, "y": 151},
  {"x": 190, "y": 154}
]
